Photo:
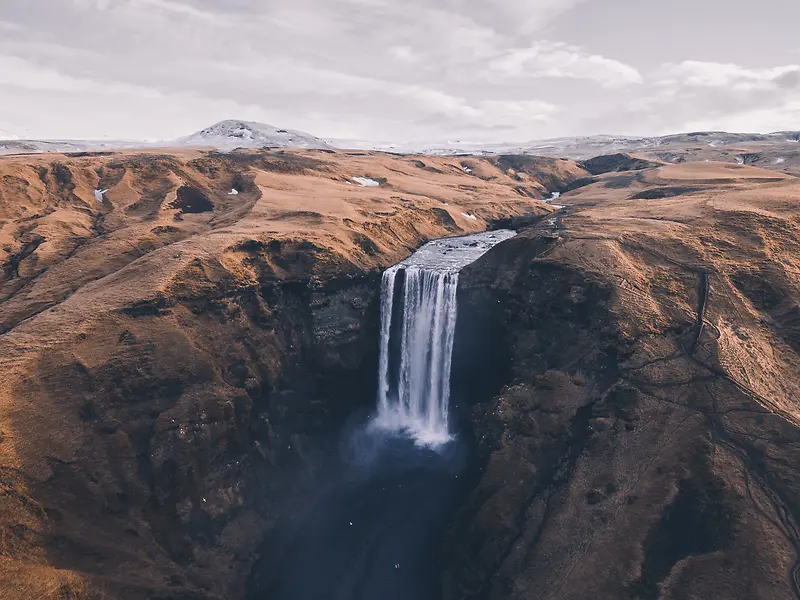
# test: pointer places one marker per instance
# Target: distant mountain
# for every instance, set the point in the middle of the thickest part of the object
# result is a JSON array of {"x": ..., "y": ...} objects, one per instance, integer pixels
[
  {"x": 15, "y": 146},
  {"x": 574, "y": 147},
  {"x": 582, "y": 147},
  {"x": 229, "y": 135},
  {"x": 224, "y": 136},
  {"x": 587, "y": 147}
]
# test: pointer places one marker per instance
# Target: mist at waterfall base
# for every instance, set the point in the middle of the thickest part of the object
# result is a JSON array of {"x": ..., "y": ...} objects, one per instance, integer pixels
[{"x": 373, "y": 528}]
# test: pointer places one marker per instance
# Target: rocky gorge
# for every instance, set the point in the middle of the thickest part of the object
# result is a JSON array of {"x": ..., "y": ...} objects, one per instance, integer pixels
[{"x": 179, "y": 363}]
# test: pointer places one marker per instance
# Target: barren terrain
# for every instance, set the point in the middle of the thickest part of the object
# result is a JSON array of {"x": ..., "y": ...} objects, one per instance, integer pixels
[
  {"x": 174, "y": 355},
  {"x": 154, "y": 343},
  {"x": 644, "y": 442}
]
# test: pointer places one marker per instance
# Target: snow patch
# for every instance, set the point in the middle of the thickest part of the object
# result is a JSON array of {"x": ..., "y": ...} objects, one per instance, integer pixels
[
  {"x": 366, "y": 182},
  {"x": 470, "y": 217},
  {"x": 98, "y": 195},
  {"x": 233, "y": 192},
  {"x": 780, "y": 160}
]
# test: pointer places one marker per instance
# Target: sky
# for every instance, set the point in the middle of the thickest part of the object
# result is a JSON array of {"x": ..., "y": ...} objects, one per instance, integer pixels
[{"x": 398, "y": 70}]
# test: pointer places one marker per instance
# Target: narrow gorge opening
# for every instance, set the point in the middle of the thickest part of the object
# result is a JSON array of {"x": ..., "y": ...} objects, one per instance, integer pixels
[{"x": 373, "y": 528}]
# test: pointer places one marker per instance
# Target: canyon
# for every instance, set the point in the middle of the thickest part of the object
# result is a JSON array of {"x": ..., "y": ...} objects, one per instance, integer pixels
[{"x": 182, "y": 367}]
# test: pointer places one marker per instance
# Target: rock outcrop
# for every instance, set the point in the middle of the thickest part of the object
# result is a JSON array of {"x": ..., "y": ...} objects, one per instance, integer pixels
[
  {"x": 175, "y": 358},
  {"x": 643, "y": 442},
  {"x": 610, "y": 163}
]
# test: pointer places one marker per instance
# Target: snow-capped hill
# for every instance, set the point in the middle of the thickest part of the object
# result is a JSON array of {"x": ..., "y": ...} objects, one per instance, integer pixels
[
  {"x": 5, "y": 135},
  {"x": 17, "y": 146},
  {"x": 229, "y": 135},
  {"x": 580, "y": 148}
]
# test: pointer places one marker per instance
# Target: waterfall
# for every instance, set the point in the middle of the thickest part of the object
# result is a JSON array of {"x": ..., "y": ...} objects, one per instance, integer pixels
[
  {"x": 418, "y": 323},
  {"x": 415, "y": 398}
]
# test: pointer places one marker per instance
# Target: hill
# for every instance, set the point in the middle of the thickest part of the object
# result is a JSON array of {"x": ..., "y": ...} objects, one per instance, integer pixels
[
  {"x": 229, "y": 135},
  {"x": 178, "y": 363}
]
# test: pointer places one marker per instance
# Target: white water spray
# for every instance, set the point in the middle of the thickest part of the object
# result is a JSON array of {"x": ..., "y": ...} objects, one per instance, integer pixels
[{"x": 417, "y": 335}]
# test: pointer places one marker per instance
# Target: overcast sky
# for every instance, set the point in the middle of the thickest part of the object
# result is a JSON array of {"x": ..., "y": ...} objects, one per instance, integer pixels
[{"x": 398, "y": 70}]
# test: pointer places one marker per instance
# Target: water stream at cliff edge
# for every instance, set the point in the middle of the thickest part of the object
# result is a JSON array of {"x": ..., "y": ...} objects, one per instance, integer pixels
[
  {"x": 372, "y": 530},
  {"x": 418, "y": 323}
]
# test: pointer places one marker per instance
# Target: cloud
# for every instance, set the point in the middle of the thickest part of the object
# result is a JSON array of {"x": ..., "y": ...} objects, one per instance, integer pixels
[
  {"x": 419, "y": 69},
  {"x": 10, "y": 27},
  {"x": 526, "y": 16},
  {"x": 105, "y": 108},
  {"x": 517, "y": 113},
  {"x": 492, "y": 112},
  {"x": 782, "y": 116},
  {"x": 21, "y": 73},
  {"x": 179, "y": 8},
  {"x": 172, "y": 14},
  {"x": 698, "y": 95},
  {"x": 91, "y": 4},
  {"x": 287, "y": 76},
  {"x": 789, "y": 80},
  {"x": 456, "y": 116},
  {"x": 697, "y": 74},
  {"x": 341, "y": 58},
  {"x": 414, "y": 100},
  {"x": 301, "y": 91},
  {"x": 529, "y": 15},
  {"x": 438, "y": 103},
  {"x": 404, "y": 54},
  {"x": 86, "y": 111},
  {"x": 559, "y": 60}
]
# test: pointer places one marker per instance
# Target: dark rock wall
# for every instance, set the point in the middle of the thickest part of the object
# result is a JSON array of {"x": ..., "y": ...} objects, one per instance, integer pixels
[
  {"x": 611, "y": 163},
  {"x": 205, "y": 413},
  {"x": 613, "y": 457}
]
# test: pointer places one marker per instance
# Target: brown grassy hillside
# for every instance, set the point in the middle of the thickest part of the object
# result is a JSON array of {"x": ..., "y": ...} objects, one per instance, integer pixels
[
  {"x": 173, "y": 356},
  {"x": 164, "y": 346},
  {"x": 646, "y": 443}
]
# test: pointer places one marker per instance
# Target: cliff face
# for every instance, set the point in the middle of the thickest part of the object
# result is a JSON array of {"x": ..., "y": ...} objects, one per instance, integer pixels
[
  {"x": 176, "y": 356},
  {"x": 644, "y": 441},
  {"x": 178, "y": 360},
  {"x": 165, "y": 437}
]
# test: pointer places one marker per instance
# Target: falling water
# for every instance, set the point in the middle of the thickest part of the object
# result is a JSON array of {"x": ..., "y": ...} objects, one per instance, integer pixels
[{"x": 418, "y": 323}]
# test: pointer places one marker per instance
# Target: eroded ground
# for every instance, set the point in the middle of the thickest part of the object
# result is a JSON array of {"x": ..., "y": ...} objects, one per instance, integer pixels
[
  {"x": 645, "y": 443},
  {"x": 174, "y": 354},
  {"x": 171, "y": 351}
]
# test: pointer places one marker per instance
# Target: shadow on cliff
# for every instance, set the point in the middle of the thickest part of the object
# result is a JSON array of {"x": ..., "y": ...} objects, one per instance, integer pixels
[{"x": 371, "y": 527}]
